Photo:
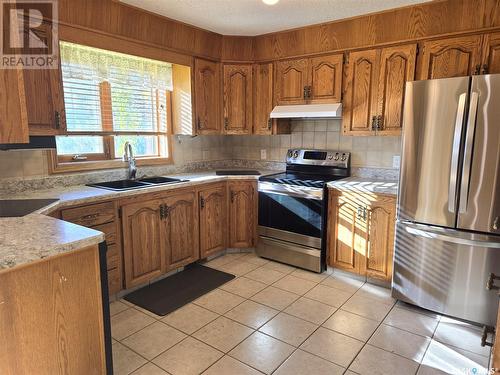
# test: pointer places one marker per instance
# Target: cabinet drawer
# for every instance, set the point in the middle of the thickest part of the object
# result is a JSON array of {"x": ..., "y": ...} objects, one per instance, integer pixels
[
  {"x": 113, "y": 257},
  {"x": 109, "y": 229},
  {"x": 114, "y": 281},
  {"x": 89, "y": 216}
]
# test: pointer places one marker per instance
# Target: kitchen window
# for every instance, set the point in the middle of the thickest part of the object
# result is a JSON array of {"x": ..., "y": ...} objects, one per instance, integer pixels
[{"x": 111, "y": 98}]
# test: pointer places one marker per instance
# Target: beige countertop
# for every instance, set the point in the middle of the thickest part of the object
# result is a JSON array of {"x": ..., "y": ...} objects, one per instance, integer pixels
[
  {"x": 36, "y": 236},
  {"x": 365, "y": 185}
]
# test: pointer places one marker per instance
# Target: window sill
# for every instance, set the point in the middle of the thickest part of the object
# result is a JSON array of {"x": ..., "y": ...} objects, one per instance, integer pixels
[{"x": 56, "y": 166}]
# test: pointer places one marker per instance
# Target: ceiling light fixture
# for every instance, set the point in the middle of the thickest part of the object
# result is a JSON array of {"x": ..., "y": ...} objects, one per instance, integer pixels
[{"x": 270, "y": 2}]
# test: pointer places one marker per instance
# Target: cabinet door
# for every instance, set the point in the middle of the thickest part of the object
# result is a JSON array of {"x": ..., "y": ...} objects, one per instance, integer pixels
[
  {"x": 491, "y": 54},
  {"x": 263, "y": 98},
  {"x": 346, "y": 234},
  {"x": 13, "y": 117},
  {"x": 397, "y": 66},
  {"x": 381, "y": 222},
  {"x": 181, "y": 230},
  {"x": 44, "y": 93},
  {"x": 242, "y": 214},
  {"x": 453, "y": 57},
  {"x": 143, "y": 242},
  {"x": 496, "y": 348},
  {"x": 360, "y": 99},
  {"x": 326, "y": 79},
  {"x": 238, "y": 99},
  {"x": 291, "y": 80},
  {"x": 207, "y": 96},
  {"x": 213, "y": 220}
]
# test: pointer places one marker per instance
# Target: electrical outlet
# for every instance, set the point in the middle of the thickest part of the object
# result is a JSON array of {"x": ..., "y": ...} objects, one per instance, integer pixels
[
  {"x": 396, "y": 160},
  {"x": 263, "y": 154}
]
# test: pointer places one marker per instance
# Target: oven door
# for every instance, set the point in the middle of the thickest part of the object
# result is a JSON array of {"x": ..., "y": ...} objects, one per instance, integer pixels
[{"x": 291, "y": 213}]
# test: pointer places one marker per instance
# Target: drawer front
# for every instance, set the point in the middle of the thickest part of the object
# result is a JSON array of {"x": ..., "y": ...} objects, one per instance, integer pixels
[
  {"x": 114, "y": 281},
  {"x": 92, "y": 215},
  {"x": 109, "y": 229},
  {"x": 113, "y": 257}
]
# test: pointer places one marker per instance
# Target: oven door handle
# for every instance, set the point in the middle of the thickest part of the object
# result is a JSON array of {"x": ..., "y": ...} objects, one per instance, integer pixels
[{"x": 316, "y": 194}]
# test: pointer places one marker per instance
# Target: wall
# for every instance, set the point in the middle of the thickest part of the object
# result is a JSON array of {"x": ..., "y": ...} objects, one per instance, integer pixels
[
  {"x": 375, "y": 152},
  {"x": 33, "y": 163}
]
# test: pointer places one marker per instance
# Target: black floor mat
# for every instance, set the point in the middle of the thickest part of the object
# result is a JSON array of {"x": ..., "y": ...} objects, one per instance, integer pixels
[{"x": 167, "y": 295}]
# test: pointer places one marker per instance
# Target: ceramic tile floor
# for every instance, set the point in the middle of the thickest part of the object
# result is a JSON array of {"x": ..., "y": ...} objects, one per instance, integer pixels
[{"x": 276, "y": 319}]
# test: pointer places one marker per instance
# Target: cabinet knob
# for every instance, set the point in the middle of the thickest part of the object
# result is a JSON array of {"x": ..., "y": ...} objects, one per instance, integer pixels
[
  {"x": 269, "y": 124},
  {"x": 226, "y": 123},
  {"x": 202, "y": 202},
  {"x": 484, "y": 70},
  {"x": 309, "y": 92},
  {"x": 305, "y": 92},
  {"x": 232, "y": 196},
  {"x": 199, "y": 125},
  {"x": 477, "y": 69}
]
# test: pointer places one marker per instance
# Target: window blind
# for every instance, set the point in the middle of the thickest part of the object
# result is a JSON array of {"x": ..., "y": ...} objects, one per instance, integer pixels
[{"x": 107, "y": 91}]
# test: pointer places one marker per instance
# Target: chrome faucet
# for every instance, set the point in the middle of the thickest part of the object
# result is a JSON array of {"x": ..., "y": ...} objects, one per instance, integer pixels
[{"x": 128, "y": 156}]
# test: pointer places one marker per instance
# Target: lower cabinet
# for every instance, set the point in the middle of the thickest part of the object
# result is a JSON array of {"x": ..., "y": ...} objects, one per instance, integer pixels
[
  {"x": 144, "y": 241},
  {"x": 181, "y": 229},
  {"x": 242, "y": 213},
  {"x": 213, "y": 219},
  {"x": 361, "y": 233}
]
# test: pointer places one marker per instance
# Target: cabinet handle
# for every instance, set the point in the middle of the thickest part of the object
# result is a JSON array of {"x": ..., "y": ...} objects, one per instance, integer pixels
[
  {"x": 477, "y": 70},
  {"x": 380, "y": 122},
  {"x": 305, "y": 92},
  {"x": 374, "y": 118},
  {"x": 57, "y": 117},
  {"x": 232, "y": 196},
  {"x": 202, "y": 202},
  {"x": 309, "y": 92},
  {"x": 490, "y": 284},
  {"x": 226, "y": 123},
  {"x": 485, "y": 69},
  {"x": 199, "y": 123},
  {"x": 91, "y": 216},
  {"x": 162, "y": 211},
  {"x": 496, "y": 223},
  {"x": 269, "y": 124}
]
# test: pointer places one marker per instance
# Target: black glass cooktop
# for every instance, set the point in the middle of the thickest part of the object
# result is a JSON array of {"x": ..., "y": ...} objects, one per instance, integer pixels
[
  {"x": 22, "y": 207},
  {"x": 302, "y": 179}
]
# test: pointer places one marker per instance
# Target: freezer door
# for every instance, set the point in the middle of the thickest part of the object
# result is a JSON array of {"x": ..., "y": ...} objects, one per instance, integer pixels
[
  {"x": 479, "y": 203},
  {"x": 446, "y": 271},
  {"x": 434, "y": 117}
]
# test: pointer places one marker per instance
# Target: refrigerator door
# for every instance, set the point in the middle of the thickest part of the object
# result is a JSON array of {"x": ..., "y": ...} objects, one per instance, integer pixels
[
  {"x": 446, "y": 271},
  {"x": 479, "y": 204},
  {"x": 434, "y": 117}
]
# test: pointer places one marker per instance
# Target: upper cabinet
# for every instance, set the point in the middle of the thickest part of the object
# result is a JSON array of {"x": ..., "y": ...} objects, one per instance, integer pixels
[
  {"x": 44, "y": 95},
  {"x": 314, "y": 80},
  {"x": 374, "y": 89},
  {"x": 451, "y": 57},
  {"x": 262, "y": 98},
  {"x": 13, "y": 117},
  {"x": 207, "y": 91},
  {"x": 238, "y": 94},
  {"x": 491, "y": 54}
]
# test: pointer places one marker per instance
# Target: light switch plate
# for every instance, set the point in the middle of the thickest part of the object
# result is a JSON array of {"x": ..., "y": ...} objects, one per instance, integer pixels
[
  {"x": 396, "y": 160},
  {"x": 263, "y": 154}
]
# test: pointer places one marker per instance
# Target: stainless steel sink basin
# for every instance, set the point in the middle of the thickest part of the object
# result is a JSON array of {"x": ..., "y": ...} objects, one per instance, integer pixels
[
  {"x": 160, "y": 180},
  {"x": 120, "y": 185},
  {"x": 136, "y": 184}
]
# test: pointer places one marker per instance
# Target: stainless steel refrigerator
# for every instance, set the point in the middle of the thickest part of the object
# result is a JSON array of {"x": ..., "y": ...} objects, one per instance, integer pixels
[{"x": 448, "y": 224}]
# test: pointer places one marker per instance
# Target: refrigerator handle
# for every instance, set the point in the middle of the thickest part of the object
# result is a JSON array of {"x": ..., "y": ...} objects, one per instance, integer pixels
[
  {"x": 452, "y": 188},
  {"x": 469, "y": 141}
]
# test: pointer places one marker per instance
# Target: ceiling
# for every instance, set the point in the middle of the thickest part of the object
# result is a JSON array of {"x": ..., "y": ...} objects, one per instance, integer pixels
[{"x": 253, "y": 17}]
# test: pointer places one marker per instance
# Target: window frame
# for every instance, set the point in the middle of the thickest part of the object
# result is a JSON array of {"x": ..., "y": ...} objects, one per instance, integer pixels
[{"x": 107, "y": 160}]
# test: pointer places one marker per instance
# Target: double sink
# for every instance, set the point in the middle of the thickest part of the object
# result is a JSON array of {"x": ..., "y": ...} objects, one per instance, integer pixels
[{"x": 120, "y": 185}]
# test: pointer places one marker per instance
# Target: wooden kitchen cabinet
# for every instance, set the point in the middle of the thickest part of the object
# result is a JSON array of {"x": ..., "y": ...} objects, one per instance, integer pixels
[
  {"x": 313, "y": 80},
  {"x": 13, "y": 115},
  {"x": 361, "y": 233},
  {"x": 374, "y": 90},
  {"x": 491, "y": 54},
  {"x": 451, "y": 57},
  {"x": 181, "y": 230},
  {"x": 44, "y": 93},
  {"x": 144, "y": 241},
  {"x": 207, "y": 92},
  {"x": 242, "y": 214},
  {"x": 263, "y": 98},
  {"x": 213, "y": 219},
  {"x": 238, "y": 98}
]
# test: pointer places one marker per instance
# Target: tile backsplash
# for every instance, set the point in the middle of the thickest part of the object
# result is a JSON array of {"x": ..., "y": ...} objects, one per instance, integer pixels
[
  {"x": 375, "y": 152},
  {"x": 367, "y": 152}
]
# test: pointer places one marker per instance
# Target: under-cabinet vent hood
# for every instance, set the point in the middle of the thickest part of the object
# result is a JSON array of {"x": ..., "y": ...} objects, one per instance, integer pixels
[{"x": 307, "y": 111}]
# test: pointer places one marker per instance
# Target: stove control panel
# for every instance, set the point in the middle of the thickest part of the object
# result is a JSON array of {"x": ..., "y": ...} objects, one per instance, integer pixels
[{"x": 319, "y": 157}]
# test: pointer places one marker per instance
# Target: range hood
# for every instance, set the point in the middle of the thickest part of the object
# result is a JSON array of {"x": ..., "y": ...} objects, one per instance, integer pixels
[{"x": 307, "y": 111}]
